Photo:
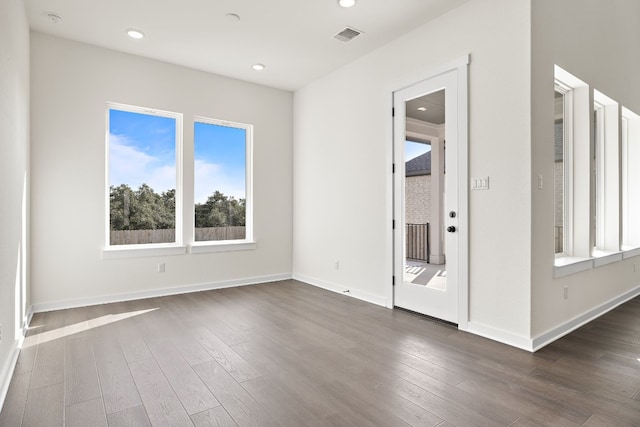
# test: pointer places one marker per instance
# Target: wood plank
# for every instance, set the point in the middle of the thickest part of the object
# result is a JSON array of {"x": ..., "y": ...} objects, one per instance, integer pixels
[
  {"x": 191, "y": 391},
  {"x": 87, "y": 413},
  {"x": 216, "y": 417},
  {"x": 132, "y": 417},
  {"x": 160, "y": 401},
  {"x": 45, "y": 406},
  {"x": 224, "y": 355},
  {"x": 118, "y": 388},
  {"x": 49, "y": 364},
  {"x": 81, "y": 377},
  {"x": 13, "y": 409},
  {"x": 242, "y": 407}
]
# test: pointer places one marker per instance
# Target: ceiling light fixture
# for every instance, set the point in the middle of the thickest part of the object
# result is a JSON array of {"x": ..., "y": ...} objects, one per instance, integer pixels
[
  {"x": 233, "y": 17},
  {"x": 422, "y": 108},
  {"x": 347, "y": 3},
  {"x": 258, "y": 67},
  {"x": 135, "y": 34}
]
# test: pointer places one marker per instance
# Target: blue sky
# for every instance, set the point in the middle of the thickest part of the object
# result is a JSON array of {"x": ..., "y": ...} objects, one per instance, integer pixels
[
  {"x": 142, "y": 150},
  {"x": 414, "y": 149},
  {"x": 220, "y": 156}
]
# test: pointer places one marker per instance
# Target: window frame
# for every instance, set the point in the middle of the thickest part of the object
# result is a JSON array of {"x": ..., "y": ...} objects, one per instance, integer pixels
[
  {"x": 606, "y": 167},
  {"x": 248, "y": 243},
  {"x": 629, "y": 132},
  {"x": 567, "y": 160},
  {"x": 577, "y": 157},
  {"x": 145, "y": 249}
]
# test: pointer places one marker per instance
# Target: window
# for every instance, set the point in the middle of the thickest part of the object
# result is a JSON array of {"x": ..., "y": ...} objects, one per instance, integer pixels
[
  {"x": 562, "y": 140},
  {"x": 222, "y": 181},
  {"x": 630, "y": 178},
  {"x": 605, "y": 185},
  {"x": 573, "y": 168},
  {"x": 143, "y": 176}
]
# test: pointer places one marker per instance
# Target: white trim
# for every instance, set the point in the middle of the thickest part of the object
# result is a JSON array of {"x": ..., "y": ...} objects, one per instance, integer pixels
[
  {"x": 566, "y": 266},
  {"x": 106, "y": 299},
  {"x": 354, "y": 293},
  {"x": 207, "y": 247},
  {"x": 601, "y": 259},
  {"x": 564, "y": 329},
  {"x": 179, "y": 206},
  {"x": 133, "y": 251},
  {"x": 630, "y": 253},
  {"x": 460, "y": 66},
  {"x": 494, "y": 334},
  {"x": 7, "y": 372},
  {"x": 248, "y": 167}
]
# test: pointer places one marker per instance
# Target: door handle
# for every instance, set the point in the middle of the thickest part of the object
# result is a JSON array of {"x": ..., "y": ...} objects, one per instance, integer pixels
[{"x": 451, "y": 229}]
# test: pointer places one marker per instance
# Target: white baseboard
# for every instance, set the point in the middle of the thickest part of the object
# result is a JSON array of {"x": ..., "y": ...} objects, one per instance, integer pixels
[
  {"x": 7, "y": 372},
  {"x": 562, "y": 330},
  {"x": 499, "y": 335},
  {"x": 84, "y": 302},
  {"x": 355, "y": 293}
]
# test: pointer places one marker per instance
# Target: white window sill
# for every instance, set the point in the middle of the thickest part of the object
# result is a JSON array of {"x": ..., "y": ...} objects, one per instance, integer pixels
[
  {"x": 222, "y": 246},
  {"x": 135, "y": 251},
  {"x": 601, "y": 258},
  {"x": 630, "y": 252},
  {"x": 564, "y": 266}
]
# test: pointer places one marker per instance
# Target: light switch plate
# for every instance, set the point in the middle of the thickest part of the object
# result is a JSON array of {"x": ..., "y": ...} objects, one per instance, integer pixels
[{"x": 480, "y": 183}]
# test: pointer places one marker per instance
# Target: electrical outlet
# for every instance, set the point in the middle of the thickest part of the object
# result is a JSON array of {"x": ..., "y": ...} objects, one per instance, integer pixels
[
  {"x": 540, "y": 182},
  {"x": 337, "y": 265},
  {"x": 161, "y": 268},
  {"x": 566, "y": 292}
]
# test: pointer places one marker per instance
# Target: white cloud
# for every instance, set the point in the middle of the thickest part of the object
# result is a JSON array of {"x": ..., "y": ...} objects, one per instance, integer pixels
[
  {"x": 129, "y": 165},
  {"x": 210, "y": 177}
]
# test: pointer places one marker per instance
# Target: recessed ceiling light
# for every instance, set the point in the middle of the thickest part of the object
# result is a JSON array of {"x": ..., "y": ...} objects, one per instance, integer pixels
[
  {"x": 54, "y": 17},
  {"x": 258, "y": 67},
  {"x": 347, "y": 3},
  {"x": 135, "y": 34},
  {"x": 234, "y": 17},
  {"x": 422, "y": 108}
]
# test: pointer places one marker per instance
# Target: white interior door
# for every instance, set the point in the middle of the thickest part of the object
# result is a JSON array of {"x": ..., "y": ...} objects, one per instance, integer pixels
[{"x": 429, "y": 284}]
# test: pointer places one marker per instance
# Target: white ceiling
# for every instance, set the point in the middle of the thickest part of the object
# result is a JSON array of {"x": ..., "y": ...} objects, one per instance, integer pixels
[{"x": 293, "y": 38}]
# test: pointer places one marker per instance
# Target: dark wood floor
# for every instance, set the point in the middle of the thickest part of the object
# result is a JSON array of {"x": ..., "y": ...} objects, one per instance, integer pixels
[{"x": 290, "y": 354}]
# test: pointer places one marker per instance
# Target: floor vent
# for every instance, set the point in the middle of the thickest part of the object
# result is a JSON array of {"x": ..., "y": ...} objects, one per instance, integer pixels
[{"x": 347, "y": 34}]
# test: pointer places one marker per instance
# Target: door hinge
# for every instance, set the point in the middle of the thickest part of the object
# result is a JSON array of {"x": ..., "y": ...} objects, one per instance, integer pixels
[
  {"x": 393, "y": 112},
  {"x": 393, "y": 168},
  {"x": 393, "y": 224},
  {"x": 393, "y": 280}
]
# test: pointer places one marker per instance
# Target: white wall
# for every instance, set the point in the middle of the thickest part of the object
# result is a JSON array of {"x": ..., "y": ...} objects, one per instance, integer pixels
[
  {"x": 342, "y": 134},
  {"x": 14, "y": 175},
  {"x": 596, "y": 42},
  {"x": 71, "y": 83}
]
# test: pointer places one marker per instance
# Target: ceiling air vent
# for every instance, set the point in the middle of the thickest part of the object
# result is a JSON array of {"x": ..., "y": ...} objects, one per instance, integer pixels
[{"x": 347, "y": 34}]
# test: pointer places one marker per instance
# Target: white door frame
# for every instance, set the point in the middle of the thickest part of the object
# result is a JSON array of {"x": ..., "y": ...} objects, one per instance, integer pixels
[{"x": 459, "y": 65}]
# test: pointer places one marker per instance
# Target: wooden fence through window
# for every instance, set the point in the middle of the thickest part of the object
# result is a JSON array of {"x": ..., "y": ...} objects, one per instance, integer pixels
[
  {"x": 417, "y": 241},
  {"x": 137, "y": 237}
]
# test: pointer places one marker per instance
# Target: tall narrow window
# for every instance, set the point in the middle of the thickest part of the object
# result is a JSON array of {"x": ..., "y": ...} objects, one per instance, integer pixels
[
  {"x": 630, "y": 179},
  {"x": 562, "y": 163},
  {"x": 606, "y": 180},
  {"x": 222, "y": 181},
  {"x": 598, "y": 176},
  {"x": 143, "y": 155}
]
